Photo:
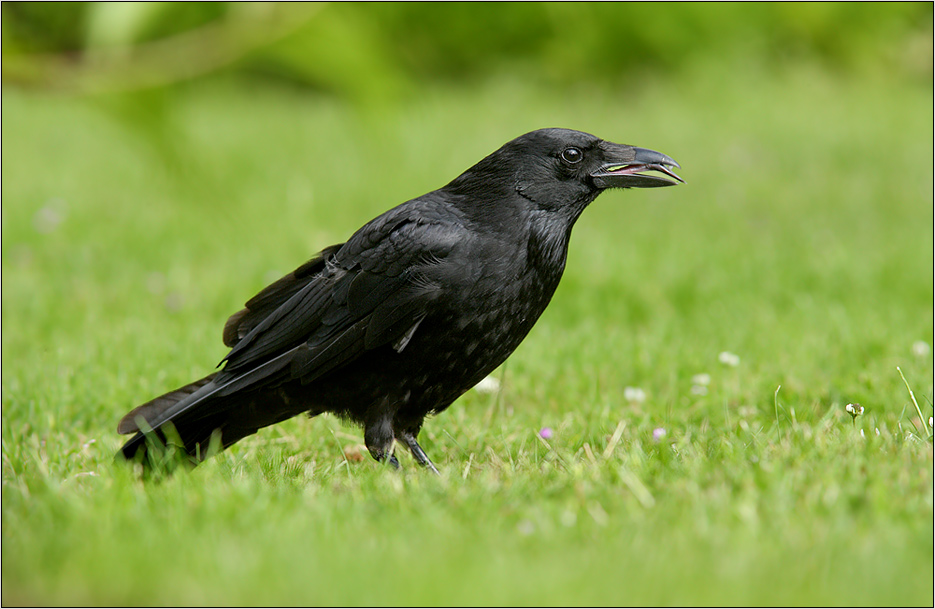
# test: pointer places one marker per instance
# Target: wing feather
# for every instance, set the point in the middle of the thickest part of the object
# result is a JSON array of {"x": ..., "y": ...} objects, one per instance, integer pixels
[
  {"x": 286, "y": 326},
  {"x": 272, "y": 296},
  {"x": 366, "y": 293}
]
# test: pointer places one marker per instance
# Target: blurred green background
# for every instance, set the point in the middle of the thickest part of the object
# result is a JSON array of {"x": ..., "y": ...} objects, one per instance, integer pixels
[
  {"x": 164, "y": 161},
  {"x": 378, "y": 53}
]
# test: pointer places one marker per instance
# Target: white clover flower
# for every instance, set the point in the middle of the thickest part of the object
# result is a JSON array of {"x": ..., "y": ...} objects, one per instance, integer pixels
[
  {"x": 634, "y": 394},
  {"x": 729, "y": 359},
  {"x": 920, "y": 348},
  {"x": 658, "y": 434},
  {"x": 489, "y": 384},
  {"x": 700, "y": 384},
  {"x": 855, "y": 410}
]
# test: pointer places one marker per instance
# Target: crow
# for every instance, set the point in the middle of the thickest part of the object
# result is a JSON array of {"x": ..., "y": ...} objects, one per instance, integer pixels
[{"x": 417, "y": 307}]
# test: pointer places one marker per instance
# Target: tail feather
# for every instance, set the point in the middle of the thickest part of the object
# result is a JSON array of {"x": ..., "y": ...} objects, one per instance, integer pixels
[
  {"x": 153, "y": 410},
  {"x": 156, "y": 415},
  {"x": 196, "y": 412},
  {"x": 192, "y": 436}
]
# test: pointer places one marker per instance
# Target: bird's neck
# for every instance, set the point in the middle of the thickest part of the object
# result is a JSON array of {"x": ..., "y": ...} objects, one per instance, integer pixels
[{"x": 547, "y": 245}]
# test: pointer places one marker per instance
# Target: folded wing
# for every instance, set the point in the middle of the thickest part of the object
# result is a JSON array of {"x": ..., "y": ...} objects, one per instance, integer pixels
[{"x": 372, "y": 291}]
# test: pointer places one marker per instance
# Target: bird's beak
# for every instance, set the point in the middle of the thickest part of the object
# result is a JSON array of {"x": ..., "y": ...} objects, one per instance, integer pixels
[{"x": 626, "y": 167}]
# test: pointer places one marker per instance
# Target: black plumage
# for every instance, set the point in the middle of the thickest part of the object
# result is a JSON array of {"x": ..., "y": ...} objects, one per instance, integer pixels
[{"x": 413, "y": 310}]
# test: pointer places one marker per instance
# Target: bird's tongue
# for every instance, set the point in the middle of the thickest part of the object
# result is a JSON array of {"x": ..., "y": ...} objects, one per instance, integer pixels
[{"x": 637, "y": 168}]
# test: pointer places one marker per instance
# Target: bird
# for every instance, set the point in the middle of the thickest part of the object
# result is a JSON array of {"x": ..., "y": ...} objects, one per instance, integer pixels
[{"x": 413, "y": 310}]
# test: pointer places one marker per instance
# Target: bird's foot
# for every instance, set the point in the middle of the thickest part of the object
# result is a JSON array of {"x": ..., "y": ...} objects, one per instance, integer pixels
[{"x": 417, "y": 451}]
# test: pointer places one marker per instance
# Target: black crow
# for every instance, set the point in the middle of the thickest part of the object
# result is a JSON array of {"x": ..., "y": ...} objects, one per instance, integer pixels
[{"x": 413, "y": 310}]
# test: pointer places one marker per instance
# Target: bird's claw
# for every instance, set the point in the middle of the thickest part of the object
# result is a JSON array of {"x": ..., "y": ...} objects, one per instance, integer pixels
[{"x": 418, "y": 453}]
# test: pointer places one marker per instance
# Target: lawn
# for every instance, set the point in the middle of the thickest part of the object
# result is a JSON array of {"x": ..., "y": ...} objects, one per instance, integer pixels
[{"x": 693, "y": 368}]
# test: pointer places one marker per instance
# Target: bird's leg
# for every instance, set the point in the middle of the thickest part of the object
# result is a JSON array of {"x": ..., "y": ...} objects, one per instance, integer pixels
[{"x": 410, "y": 439}]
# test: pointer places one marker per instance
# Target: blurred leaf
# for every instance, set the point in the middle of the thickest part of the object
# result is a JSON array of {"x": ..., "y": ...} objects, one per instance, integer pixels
[
  {"x": 371, "y": 52},
  {"x": 31, "y": 27},
  {"x": 116, "y": 24},
  {"x": 340, "y": 51}
]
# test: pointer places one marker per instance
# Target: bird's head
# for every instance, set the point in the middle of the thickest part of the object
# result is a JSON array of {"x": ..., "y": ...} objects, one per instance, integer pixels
[
  {"x": 562, "y": 169},
  {"x": 577, "y": 162}
]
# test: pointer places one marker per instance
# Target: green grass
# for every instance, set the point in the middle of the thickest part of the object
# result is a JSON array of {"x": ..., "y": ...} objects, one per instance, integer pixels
[{"x": 802, "y": 242}]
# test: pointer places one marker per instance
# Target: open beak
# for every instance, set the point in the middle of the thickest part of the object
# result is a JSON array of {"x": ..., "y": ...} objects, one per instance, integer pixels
[{"x": 628, "y": 164}]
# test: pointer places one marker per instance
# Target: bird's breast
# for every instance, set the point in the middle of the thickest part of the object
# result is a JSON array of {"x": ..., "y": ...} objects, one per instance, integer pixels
[{"x": 497, "y": 303}]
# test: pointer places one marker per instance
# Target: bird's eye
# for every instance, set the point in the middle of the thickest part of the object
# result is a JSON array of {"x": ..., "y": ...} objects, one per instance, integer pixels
[{"x": 572, "y": 155}]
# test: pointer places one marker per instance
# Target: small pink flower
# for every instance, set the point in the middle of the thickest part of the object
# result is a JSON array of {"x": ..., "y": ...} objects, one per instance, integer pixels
[
  {"x": 545, "y": 433},
  {"x": 658, "y": 434}
]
